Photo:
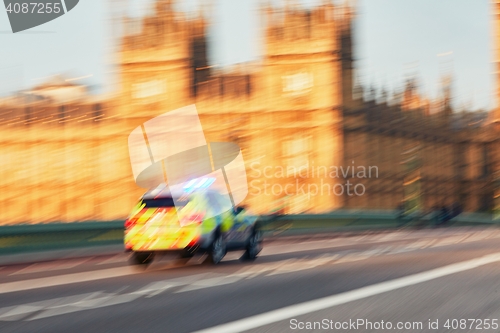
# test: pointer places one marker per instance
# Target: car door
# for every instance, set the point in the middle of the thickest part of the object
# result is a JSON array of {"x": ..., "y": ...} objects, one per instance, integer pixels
[
  {"x": 243, "y": 224},
  {"x": 241, "y": 227},
  {"x": 226, "y": 218}
]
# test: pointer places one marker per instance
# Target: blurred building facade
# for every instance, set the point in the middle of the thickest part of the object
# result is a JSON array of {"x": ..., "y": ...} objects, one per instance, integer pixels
[
  {"x": 59, "y": 161},
  {"x": 298, "y": 116},
  {"x": 285, "y": 112},
  {"x": 457, "y": 151}
]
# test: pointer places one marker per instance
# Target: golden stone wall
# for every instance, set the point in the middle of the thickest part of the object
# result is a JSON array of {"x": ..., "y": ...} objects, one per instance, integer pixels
[
  {"x": 293, "y": 110},
  {"x": 63, "y": 162},
  {"x": 291, "y": 99},
  {"x": 71, "y": 172}
]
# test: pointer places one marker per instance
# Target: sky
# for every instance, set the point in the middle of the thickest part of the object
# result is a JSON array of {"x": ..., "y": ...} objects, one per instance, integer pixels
[
  {"x": 427, "y": 39},
  {"x": 395, "y": 40}
]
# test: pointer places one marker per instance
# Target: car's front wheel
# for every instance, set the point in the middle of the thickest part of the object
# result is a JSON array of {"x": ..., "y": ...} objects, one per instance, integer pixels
[
  {"x": 254, "y": 246},
  {"x": 217, "y": 250},
  {"x": 142, "y": 258}
]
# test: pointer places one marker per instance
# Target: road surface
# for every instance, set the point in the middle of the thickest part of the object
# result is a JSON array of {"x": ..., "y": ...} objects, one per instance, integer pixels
[{"x": 403, "y": 281}]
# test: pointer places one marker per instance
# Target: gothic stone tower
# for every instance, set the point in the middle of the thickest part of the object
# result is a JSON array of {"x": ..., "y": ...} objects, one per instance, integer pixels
[{"x": 284, "y": 112}]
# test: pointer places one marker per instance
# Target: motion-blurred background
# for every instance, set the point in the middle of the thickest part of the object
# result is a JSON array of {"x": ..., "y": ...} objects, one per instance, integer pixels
[{"x": 367, "y": 105}]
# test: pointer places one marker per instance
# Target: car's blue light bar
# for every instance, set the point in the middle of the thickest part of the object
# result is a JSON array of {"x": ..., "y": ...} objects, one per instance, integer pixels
[{"x": 198, "y": 183}]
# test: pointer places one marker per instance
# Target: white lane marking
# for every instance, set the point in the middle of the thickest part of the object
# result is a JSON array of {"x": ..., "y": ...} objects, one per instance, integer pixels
[
  {"x": 351, "y": 257},
  {"x": 303, "y": 265},
  {"x": 349, "y": 296},
  {"x": 59, "y": 280},
  {"x": 56, "y": 312},
  {"x": 464, "y": 237},
  {"x": 401, "y": 250},
  {"x": 315, "y": 245},
  {"x": 234, "y": 255},
  {"x": 448, "y": 241},
  {"x": 18, "y": 311},
  {"x": 418, "y": 244},
  {"x": 213, "y": 282},
  {"x": 340, "y": 242},
  {"x": 108, "y": 300},
  {"x": 156, "y": 288},
  {"x": 254, "y": 270},
  {"x": 389, "y": 236},
  {"x": 431, "y": 243},
  {"x": 64, "y": 305},
  {"x": 86, "y": 276},
  {"x": 52, "y": 266},
  {"x": 104, "y": 300},
  {"x": 475, "y": 237},
  {"x": 76, "y": 303}
]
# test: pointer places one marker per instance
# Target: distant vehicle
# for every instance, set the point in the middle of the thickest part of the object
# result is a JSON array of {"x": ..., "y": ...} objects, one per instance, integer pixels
[{"x": 199, "y": 221}]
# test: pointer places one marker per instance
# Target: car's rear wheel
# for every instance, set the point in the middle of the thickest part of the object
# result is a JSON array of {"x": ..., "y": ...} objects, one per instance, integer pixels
[
  {"x": 142, "y": 258},
  {"x": 217, "y": 250},
  {"x": 254, "y": 246}
]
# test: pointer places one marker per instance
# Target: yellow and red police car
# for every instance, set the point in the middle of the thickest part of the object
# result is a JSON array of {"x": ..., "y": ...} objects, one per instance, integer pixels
[{"x": 197, "y": 220}]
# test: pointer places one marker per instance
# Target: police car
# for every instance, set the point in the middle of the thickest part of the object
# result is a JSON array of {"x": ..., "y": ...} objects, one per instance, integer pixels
[{"x": 189, "y": 222}]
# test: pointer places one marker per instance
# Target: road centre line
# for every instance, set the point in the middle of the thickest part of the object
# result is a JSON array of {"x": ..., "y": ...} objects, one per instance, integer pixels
[{"x": 349, "y": 296}]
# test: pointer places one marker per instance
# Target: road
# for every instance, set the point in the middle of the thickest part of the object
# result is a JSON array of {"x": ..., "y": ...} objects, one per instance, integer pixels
[{"x": 412, "y": 278}]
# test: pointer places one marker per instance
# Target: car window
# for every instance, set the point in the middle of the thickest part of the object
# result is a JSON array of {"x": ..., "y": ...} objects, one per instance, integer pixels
[
  {"x": 213, "y": 203},
  {"x": 224, "y": 202},
  {"x": 162, "y": 202}
]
